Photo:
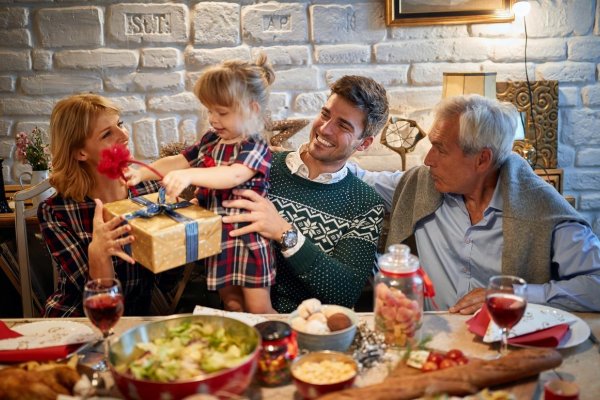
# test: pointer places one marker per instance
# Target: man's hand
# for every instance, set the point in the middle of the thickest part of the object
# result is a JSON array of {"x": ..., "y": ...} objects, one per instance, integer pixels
[
  {"x": 261, "y": 215},
  {"x": 470, "y": 302}
]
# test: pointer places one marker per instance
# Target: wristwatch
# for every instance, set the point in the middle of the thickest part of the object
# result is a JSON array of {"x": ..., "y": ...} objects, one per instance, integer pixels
[{"x": 289, "y": 238}]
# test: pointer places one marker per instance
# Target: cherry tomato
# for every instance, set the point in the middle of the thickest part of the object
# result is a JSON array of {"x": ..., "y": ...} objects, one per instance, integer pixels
[
  {"x": 447, "y": 363},
  {"x": 429, "y": 366},
  {"x": 435, "y": 357},
  {"x": 454, "y": 354},
  {"x": 462, "y": 361}
]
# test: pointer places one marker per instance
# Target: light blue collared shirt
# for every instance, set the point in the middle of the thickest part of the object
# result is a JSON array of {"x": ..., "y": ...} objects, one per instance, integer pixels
[{"x": 459, "y": 256}]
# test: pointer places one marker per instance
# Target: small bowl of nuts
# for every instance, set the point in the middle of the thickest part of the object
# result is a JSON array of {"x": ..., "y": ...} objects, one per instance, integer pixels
[
  {"x": 323, "y": 326},
  {"x": 318, "y": 373}
]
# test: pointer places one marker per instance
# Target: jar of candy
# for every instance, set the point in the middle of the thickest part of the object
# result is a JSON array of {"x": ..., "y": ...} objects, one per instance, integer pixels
[
  {"x": 279, "y": 348},
  {"x": 398, "y": 297}
]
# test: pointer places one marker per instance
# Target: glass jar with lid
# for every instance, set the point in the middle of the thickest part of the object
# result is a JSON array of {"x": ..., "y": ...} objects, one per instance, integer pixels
[
  {"x": 279, "y": 348},
  {"x": 398, "y": 297}
]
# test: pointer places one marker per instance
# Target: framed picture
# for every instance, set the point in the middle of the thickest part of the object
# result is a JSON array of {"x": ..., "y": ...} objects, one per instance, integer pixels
[{"x": 435, "y": 12}]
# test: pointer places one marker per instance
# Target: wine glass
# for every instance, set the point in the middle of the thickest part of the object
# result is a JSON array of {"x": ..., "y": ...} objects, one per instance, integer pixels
[
  {"x": 506, "y": 302},
  {"x": 103, "y": 304}
]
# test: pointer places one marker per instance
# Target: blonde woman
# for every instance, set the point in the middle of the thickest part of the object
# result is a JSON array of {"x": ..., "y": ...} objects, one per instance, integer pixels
[{"x": 82, "y": 244}]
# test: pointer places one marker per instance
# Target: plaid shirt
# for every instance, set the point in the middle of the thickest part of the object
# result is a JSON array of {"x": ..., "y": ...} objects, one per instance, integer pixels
[
  {"x": 246, "y": 260},
  {"x": 67, "y": 226}
]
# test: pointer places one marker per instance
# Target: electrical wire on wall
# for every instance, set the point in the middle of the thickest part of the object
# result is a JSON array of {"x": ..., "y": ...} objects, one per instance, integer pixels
[{"x": 534, "y": 162}]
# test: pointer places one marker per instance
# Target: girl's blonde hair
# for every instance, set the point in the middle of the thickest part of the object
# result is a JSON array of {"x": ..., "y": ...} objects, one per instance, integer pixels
[
  {"x": 236, "y": 84},
  {"x": 70, "y": 126}
]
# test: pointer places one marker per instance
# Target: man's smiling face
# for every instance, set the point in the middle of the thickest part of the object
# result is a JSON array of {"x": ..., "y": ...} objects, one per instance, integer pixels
[{"x": 336, "y": 132}]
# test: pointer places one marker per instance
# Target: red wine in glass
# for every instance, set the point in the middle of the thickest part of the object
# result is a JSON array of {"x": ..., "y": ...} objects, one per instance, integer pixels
[
  {"x": 104, "y": 310},
  {"x": 506, "y": 302},
  {"x": 506, "y": 309},
  {"x": 103, "y": 304}
]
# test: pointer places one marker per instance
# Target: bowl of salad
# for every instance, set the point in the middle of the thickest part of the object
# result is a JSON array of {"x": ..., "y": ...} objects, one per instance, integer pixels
[{"x": 180, "y": 356}]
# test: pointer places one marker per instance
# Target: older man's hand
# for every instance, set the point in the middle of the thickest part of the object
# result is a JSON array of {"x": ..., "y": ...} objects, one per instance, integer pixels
[
  {"x": 262, "y": 216},
  {"x": 470, "y": 302}
]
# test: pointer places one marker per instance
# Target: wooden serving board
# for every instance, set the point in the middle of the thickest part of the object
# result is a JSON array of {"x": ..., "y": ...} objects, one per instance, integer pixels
[
  {"x": 522, "y": 389},
  {"x": 520, "y": 365}
]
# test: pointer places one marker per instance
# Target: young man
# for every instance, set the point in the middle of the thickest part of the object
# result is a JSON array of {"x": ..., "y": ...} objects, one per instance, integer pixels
[
  {"x": 476, "y": 210},
  {"x": 325, "y": 221}
]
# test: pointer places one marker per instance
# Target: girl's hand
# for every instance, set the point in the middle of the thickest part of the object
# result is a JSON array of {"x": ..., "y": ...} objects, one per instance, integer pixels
[
  {"x": 107, "y": 240},
  {"x": 133, "y": 176},
  {"x": 175, "y": 182}
]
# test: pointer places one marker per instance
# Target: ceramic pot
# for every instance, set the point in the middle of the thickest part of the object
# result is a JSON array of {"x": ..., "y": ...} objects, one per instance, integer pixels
[{"x": 36, "y": 177}]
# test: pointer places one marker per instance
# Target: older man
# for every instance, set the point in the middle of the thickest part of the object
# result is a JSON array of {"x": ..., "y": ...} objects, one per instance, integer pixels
[
  {"x": 477, "y": 210},
  {"x": 325, "y": 221}
]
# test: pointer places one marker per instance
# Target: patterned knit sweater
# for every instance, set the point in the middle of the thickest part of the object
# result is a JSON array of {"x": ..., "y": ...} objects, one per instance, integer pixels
[{"x": 341, "y": 223}]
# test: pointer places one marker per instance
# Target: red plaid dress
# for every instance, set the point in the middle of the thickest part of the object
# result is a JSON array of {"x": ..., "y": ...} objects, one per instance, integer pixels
[{"x": 244, "y": 260}]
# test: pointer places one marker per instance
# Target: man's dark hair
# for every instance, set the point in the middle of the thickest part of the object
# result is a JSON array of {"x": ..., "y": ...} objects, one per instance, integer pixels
[{"x": 367, "y": 95}]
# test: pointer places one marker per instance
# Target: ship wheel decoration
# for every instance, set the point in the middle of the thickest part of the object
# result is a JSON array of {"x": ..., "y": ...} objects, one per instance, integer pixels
[{"x": 401, "y": 135}]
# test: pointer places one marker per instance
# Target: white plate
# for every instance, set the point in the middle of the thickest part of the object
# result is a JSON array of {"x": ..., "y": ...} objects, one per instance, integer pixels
[
  {"x": 578, "y": 331},
  {"x": 250, "y": 319},
  {"x": 48, "y": 333}
]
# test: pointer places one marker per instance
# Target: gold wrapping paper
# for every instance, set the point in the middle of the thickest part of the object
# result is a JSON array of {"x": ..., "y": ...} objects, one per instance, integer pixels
[{"x": 160, "y": 241}]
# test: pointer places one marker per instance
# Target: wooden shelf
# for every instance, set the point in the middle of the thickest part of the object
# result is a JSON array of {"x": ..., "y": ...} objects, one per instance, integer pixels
[{"x": 8, "y": 220}]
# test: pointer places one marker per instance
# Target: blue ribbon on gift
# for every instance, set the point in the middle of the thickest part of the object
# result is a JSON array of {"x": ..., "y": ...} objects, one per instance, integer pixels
[{"x": 152, "y": 209}]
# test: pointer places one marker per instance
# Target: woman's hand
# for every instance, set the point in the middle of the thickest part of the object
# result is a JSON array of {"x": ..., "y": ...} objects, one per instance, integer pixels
[
  {"x": 107, "y": 241},
  {"x": 261, "y": 215}
]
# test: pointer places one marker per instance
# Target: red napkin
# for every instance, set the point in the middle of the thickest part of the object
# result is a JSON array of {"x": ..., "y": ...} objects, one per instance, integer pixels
[
  {"x": 41, "y": 354},
  {"x": 549, "y": 337}
]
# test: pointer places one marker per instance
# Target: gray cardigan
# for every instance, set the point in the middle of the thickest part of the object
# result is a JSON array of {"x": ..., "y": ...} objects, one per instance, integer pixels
[{"x": 532, "y": 208}]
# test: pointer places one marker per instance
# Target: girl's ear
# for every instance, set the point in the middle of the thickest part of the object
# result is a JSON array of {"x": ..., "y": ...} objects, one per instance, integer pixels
[{"x": 254, "y": 107}]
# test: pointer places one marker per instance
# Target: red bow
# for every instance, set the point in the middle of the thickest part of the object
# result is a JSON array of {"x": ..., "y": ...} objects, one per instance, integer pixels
[
  {"x": 428, "y": 289},
  {"x": 114, "y": 160}
]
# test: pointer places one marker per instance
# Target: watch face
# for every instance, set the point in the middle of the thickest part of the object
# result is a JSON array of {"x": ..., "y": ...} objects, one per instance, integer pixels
[{"x": 289, "y": 239}]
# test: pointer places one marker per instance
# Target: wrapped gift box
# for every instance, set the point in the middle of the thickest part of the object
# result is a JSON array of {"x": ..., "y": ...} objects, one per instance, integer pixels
[{"x": 160, "y": 241}]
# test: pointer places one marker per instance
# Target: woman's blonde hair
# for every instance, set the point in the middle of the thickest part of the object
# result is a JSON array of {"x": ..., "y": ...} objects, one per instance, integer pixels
[
  {"x": 236, "y": 84},
  {"x": 70, "y": 126}
]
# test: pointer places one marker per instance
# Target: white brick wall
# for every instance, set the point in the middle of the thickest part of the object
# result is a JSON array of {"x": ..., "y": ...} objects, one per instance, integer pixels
[{"x": 146, "y": 56}]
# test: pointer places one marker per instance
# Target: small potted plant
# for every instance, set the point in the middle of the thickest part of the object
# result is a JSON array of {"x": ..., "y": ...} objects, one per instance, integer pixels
[{"x": 32, "y": 150}]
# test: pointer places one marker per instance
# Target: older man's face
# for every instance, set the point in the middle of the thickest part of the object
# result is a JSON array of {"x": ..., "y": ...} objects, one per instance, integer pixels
[
  {"x": 452, "y": 170},
  {"x": 336, "y": 131}
]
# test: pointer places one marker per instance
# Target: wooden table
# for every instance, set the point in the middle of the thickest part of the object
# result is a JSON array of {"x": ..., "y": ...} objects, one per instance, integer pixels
[{"x": 448, "y": 331}]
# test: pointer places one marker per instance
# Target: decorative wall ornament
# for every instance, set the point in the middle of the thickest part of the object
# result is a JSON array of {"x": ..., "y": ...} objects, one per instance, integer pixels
[
  {"x": 543, "y": 134},
  {"x": 401, "y": 135},
  {"x": 285, "y": 129}
]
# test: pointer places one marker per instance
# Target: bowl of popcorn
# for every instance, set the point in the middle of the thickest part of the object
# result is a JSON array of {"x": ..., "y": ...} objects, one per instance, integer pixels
[
  {"x": 318, "y": 373},
  {"x": 323, "y": 326}
]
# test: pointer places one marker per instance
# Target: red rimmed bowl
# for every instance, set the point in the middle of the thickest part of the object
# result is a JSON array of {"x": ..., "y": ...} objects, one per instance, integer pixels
[
  {"x": 224, "y": 383},
  {"x": 317, "y": 374}
]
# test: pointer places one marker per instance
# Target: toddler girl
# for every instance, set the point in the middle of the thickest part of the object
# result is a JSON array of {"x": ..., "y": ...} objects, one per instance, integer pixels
[{"x": 232, "y": 154}]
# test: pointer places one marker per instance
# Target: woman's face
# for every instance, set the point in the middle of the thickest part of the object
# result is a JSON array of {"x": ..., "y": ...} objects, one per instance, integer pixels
[{"x": 106, "y": 130}]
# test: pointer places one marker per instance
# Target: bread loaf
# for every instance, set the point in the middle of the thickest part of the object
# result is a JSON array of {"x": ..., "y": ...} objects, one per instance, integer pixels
[{"x": 459, "y": 380}]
